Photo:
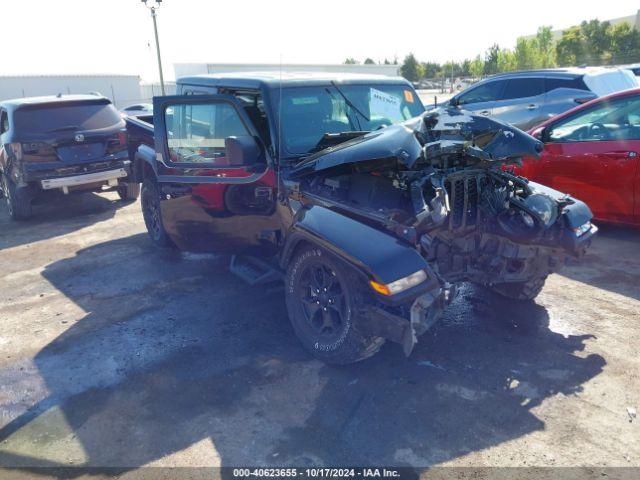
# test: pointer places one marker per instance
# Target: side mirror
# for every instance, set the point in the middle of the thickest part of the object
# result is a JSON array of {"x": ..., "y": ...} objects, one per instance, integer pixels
[
  {"x": 542, "y": 133},
  {"x": 538, "y": 133},
  {"x": 241, "y": 150}
]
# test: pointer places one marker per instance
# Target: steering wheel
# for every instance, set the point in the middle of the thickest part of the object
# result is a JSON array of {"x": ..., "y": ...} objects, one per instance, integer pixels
[{"x": 598, "y": 131}]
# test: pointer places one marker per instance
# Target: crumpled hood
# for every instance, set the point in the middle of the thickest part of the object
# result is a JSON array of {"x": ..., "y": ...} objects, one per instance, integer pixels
[
  {"x": 397, "y": 141},
  {"x": 437, "y": 133},
  {"x": 452, "y": 130}
]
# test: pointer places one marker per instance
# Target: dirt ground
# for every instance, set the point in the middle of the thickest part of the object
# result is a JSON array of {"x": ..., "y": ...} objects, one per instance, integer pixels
[{"x": 113, "y": 353}]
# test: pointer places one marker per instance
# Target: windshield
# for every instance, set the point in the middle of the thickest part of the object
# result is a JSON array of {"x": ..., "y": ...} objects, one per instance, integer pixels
[
  {"x": 610, "y": 81},
  {"x": 310, "y": 112},
  {"x": 52, "y": 118}
]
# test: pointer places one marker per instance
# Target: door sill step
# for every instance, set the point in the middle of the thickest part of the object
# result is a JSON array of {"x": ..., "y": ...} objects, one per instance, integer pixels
[{"x": 253, "y": 270}]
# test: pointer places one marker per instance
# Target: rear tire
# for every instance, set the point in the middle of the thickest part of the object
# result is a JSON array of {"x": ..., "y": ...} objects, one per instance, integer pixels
[
  {"x": 152, "y": 215},
  {"x": 18, "y": 199},
  {"x": 324, "y": 300},
  {"x": 129, "y": 191},
  {"x": 521, "y": 290}
]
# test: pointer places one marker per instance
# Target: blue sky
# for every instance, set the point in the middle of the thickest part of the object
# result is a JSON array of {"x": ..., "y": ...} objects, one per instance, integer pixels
[{"x": 116, "y": 36}]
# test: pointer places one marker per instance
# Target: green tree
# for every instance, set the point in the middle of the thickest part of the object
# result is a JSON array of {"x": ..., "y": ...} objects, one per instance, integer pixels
[
  {"x": 546, "y": 47},
  {"x": 369, "y": 61},
  {"x": 491, "y": 60},
  {"x": 350, "y": 61},
  {"x": 477, "y": 67},
  {"x": 430, "y": 69},
  {"x": 625, "y": 44},
  {"x": 526, "y": 53},
  {"x": 452, "y": 69},
  {"x": 571, "y": 47},
  {"x": 387, "y": 62},
  {"x": 507, "y": 61},
  {"x": 597, "y": 36},
  {"x": 411, "y": 69},
  {"x": 466, "y": 68}
]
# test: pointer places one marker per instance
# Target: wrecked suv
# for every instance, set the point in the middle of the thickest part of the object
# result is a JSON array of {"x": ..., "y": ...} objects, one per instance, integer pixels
[
  {"x": 59, "y": 145},
  {"x": 370, "y": 208}
]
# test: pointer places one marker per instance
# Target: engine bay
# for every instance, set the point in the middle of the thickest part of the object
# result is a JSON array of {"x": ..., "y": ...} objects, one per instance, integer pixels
[{"x": 443, "y": 183}]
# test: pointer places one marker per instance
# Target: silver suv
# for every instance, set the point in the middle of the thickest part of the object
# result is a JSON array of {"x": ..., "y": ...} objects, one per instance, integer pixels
[{"x": 525, "y": 99}]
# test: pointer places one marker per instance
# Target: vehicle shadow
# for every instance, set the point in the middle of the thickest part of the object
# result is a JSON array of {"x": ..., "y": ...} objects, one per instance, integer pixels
[
  {"x": 175, "y": 354},
  {"x": 60, "y": 216},
  {"x": 612, "y": 263}
]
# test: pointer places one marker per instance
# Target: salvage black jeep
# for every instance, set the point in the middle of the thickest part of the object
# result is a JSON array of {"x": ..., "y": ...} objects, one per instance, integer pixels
[{"x": 371, "y": 208}]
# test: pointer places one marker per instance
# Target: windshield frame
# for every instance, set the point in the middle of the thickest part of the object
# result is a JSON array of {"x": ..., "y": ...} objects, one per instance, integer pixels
[{"x": 274, "y": 101}]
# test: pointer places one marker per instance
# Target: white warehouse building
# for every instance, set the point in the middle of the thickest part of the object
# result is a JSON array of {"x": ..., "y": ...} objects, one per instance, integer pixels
[
  {"x": 121, "y": 89},
  {"x": 125, "y": 90},
  {"x": 184, "y": 69}
]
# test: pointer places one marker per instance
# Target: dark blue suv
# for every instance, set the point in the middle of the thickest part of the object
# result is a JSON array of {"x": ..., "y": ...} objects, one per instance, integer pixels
[{"x": 64, "y": 143}]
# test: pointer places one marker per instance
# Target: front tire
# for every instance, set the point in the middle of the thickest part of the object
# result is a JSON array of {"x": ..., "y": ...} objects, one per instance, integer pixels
[
  {"x": 521, "y": 290},
  {"x": 129, "y": 191},
  {"x": 18, "y": 199},
  {"x": 324, "y": 300},
  {"x": 152, "y": 215}
]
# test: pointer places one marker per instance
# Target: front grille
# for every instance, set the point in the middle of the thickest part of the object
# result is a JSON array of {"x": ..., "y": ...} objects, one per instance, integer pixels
[{"x": 464, "y": 200}]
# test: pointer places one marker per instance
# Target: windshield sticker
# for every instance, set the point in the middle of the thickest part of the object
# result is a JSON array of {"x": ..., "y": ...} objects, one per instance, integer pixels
[
  {"x": 408, "y": 96},
  {"x": 305, "y": 100},
  {"x": 385, "y": 106}
]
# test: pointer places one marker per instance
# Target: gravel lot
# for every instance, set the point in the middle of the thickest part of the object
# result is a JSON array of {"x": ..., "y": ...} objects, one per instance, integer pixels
[{"x": 116, "y": 354}]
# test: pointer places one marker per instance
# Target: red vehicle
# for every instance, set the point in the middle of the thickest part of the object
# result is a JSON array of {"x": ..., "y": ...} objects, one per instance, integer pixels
[{"x": 591, "y": 152}]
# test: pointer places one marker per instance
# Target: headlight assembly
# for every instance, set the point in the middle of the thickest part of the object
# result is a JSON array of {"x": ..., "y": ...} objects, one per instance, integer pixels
[
  {"x": 584, "y": 228},
  {"x": 544, "y": 207},
  {"x": 399, "y": 285}
]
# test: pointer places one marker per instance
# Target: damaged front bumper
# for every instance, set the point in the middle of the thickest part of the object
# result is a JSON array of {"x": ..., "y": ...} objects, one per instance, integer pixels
[{"x": 425, "y": 310}]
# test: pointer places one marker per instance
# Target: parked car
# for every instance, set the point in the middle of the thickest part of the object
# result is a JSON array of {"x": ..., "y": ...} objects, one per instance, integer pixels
[
  {"x": 64, "y": 143},
  {"x": 138, "y": 109},
  {"x": 592, "y": 152},
  {"x": 368, "y": 207},
  {"x": 635, "y": 68},
  {"x": 525, "y": 99}
]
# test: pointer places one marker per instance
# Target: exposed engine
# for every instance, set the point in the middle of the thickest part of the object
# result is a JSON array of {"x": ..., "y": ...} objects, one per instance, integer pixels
[{"x": 442, "y": 182}]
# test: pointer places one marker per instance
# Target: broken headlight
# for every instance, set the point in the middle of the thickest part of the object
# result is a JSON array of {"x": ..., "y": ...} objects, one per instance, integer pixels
[
  {"x": 401, "y": 285},
  {"x": 582, "y": 229},
  {"x": 544, "y": 207}
]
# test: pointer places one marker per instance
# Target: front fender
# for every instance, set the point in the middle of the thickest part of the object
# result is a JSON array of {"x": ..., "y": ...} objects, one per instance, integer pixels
[{"x": 380, "y": 256}]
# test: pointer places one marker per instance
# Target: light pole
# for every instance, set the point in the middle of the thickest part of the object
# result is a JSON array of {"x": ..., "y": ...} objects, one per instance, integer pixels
[{"x": 153, "y": 5}]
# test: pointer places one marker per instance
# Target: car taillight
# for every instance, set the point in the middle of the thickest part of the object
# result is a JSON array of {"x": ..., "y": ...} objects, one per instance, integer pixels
[{"x": 117, "y": 142}]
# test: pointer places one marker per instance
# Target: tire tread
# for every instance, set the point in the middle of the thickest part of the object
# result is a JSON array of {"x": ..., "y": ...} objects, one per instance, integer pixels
[{"x": 356, "y": 346}]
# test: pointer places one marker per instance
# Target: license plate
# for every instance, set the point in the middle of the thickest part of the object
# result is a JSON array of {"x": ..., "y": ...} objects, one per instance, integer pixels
[{"x": 81, "y": 153}]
